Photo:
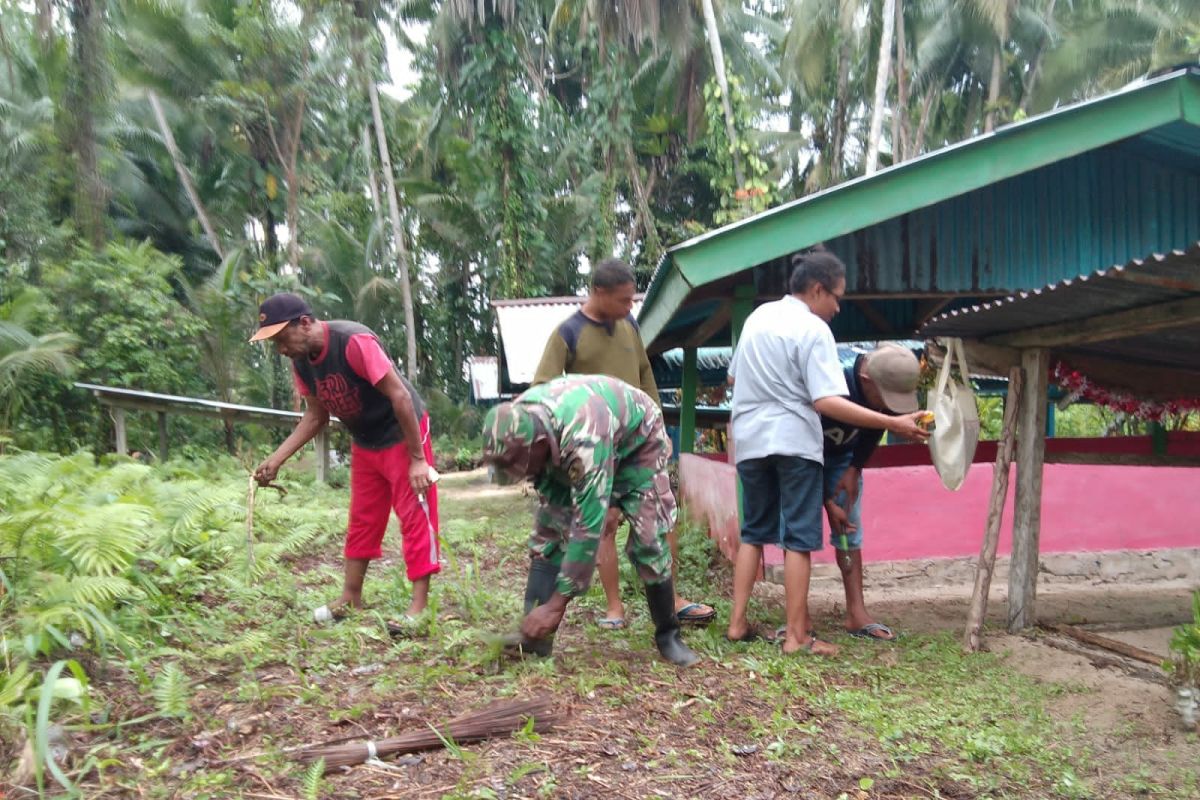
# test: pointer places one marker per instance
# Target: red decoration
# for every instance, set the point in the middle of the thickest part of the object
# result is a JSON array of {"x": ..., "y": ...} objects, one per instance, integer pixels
[{"x": 1079, "y": 387}]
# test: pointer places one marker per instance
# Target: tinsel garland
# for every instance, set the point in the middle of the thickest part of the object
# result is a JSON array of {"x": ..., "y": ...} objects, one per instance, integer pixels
[{"x": 1079, "y": 387}]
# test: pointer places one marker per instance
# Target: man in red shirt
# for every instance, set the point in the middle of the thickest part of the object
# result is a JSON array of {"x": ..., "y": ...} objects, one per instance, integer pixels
[{"x": 340, "y": 368}]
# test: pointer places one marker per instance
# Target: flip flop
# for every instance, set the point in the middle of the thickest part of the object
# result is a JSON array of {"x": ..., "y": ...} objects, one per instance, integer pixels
[
  {"x": 692, "y": 615},
  {"x": 611, "y": 623},
  {"x": 781, "y": 634},
  {"x": 869, "y": 631}
]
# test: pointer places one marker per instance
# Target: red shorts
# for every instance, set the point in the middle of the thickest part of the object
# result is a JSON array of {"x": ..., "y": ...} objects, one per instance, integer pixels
[{"x": 379, "y": 484}]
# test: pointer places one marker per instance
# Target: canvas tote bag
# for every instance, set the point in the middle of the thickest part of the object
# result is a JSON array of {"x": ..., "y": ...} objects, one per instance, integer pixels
[{"x": 956, "y": 419}]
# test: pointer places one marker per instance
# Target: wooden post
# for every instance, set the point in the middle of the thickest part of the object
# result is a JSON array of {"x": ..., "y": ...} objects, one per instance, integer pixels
[
  {"x": 1031, "y": 453},
  {"x": 321, "y": 443},
  {"x": 687, "y": 402},
  {"x": 1158, "y": 439},
  {"x": 162, "y": 437},
  {"x": 118, "y": 415},
  {"x": 743, "y": 304},
  {"x": 991, "y": 535}
]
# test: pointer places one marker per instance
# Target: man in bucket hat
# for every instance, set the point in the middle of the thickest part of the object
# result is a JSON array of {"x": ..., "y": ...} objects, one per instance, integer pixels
[
  {"x": 340, "y": 368},
  {"x": 588, "y": 442}
]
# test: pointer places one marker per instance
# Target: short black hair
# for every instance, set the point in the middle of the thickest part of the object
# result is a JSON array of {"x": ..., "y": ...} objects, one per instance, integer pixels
[
  {"x": 817, "y": 265},
  {"x": 610, "y": 273}
]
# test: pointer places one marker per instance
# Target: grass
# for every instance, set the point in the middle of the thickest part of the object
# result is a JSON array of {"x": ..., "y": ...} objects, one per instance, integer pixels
[{"x": 225, "y": 684}]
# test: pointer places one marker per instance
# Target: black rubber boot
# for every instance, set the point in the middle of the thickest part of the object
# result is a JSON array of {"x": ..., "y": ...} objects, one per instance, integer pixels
[
  {"x": 539, "y": 587},
  {"x": 660, "y": 597}
]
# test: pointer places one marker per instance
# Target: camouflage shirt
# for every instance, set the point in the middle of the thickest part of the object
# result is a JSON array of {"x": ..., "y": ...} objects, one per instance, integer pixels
[{"x": 598, "y": 426}]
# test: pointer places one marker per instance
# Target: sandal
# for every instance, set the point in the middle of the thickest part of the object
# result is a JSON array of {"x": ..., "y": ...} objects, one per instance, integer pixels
[
  {"x": 695, "y": 614},
  {"x": 872, "y": 632}
]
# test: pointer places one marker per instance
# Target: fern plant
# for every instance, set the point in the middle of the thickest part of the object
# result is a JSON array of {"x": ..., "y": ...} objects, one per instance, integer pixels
[
  {"x": 172, "y": 691},
  {"x": 99, "y": 556},
  {"x": 310, "y": 782}
]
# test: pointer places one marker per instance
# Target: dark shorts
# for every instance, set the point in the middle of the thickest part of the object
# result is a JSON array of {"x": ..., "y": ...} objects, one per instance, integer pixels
[{"x": 782, "y": 502}]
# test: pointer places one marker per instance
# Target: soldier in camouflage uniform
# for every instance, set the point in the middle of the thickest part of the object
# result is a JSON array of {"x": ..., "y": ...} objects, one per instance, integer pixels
[{"x": 588, "y": 442}]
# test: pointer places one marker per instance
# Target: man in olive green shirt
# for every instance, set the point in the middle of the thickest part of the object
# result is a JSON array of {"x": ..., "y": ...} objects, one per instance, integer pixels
[{"x": 602, "y": 338}]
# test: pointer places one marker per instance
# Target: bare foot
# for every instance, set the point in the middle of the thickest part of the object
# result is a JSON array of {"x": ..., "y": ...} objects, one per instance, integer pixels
[{"x": 816, "y": 646}]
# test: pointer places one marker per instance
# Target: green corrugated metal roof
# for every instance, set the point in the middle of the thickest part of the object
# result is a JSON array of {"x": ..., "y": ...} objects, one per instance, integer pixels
[{"x": 1047, "y": 198}]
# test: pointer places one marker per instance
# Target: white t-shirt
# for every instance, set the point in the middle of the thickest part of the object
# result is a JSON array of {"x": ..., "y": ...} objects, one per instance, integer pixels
[{"x": 785, "y": 360}]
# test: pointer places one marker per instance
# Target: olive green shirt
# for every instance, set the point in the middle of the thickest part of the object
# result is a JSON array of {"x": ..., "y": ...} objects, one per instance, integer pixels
[{"x": 583, "y": 346}]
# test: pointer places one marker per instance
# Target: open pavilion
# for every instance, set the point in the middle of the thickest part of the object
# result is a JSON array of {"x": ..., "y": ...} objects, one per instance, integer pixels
[{"x": 1068, "y": 236}]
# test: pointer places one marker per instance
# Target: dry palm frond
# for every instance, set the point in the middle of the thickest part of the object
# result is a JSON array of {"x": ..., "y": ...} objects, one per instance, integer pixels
[{"x": 502, "y": 717}]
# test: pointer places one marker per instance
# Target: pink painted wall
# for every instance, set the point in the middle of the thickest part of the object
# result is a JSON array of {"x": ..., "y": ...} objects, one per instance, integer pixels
[{"x": 908, "y": 514}]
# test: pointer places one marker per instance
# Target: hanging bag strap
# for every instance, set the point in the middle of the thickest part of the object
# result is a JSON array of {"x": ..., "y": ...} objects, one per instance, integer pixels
[
  {"x": 947, "y": 364},
  {"x": 961, "y": 355}
]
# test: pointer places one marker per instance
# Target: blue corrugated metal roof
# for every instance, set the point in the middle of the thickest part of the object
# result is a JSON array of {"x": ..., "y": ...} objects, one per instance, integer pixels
[
  {"x": 1135, "y": 325},
  {"x": 1048, "y": 198}
]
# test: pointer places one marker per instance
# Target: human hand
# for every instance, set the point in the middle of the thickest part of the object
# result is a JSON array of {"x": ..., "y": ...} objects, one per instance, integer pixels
[
  {"x": 267, "y": 471},
  {"x": 909, "y": 426},
  {"x": 839, "y": 519},
  {"x": 542, "y": 621},
  {"x": 420, "y": 476},
  {"x": 848, "y": 485}
]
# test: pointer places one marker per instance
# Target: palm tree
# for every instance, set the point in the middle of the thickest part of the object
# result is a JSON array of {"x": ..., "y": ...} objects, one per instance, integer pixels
[
  {"x": 886, "y": 38},
  {"x": 718, "y": 57},
  {"x": 821, "y": 61},
  {"x": 24, "y": 356},
  {"x": 1105, "y": 44},
  {"x": 86, "y": 100}
]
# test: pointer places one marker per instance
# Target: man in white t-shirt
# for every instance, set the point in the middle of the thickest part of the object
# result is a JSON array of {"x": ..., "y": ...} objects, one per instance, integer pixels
[{"x": 787, "y": 375}]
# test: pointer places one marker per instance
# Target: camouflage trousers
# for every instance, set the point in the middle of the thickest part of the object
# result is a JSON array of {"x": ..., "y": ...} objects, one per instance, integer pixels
[{"x": 642, "y": 492}]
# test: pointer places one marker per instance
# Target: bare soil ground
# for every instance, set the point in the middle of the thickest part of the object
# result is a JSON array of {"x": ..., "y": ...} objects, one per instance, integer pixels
[{"x": 1035, "y": 717}]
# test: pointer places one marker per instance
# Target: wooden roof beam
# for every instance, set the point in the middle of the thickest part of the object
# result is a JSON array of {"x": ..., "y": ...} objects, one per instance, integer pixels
[
  {"x": 1104, "y": 327},
  {"x": 711, "y": 326}
]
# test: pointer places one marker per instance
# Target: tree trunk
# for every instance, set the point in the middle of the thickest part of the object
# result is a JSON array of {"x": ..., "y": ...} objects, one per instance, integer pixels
[
  {"x": 901, "y": 148},
  {"x": 718, "y": 57},
  {"x": 989, "y": 120},
  {"x": 1036, "y": 71},
  {"x": 371, "y": 181},
  {"x": 270, "y": 237},
  {"x": 45, "y": 21},
  {"x": 653, "y": 247},
  {"x": 293, "y": 179},
  {"x": 85, "y": 95},
  {"x": 882, "y": 74},
  {"x": 288, "y": 163},
  {"x": 841, "y": 110},
  {"x": 389, "y": 181},
  {"x": 185, "y": 177}
]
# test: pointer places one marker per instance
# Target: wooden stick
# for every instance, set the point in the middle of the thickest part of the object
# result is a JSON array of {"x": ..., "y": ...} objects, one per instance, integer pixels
[
  {"x": 1116, "y": 646},
  {"x": 250, "y": 523},
  {"x": 250, "y": 516},
  {"x": 972, "y": 636}
]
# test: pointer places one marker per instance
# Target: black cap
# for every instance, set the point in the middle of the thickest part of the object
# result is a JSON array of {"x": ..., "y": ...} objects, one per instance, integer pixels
[{"x": 277, "y": 311}]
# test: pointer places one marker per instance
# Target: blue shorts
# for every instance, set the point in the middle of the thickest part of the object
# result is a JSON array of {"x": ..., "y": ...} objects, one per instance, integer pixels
[
  {"x": 835, "y": 467},
  {"x": 782, "y": 502}
]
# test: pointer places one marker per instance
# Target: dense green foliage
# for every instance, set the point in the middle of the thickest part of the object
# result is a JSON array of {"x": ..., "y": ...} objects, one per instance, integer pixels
[
  {"x": 99, "y": 560},
  {"x": 165, "y": 165}
]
